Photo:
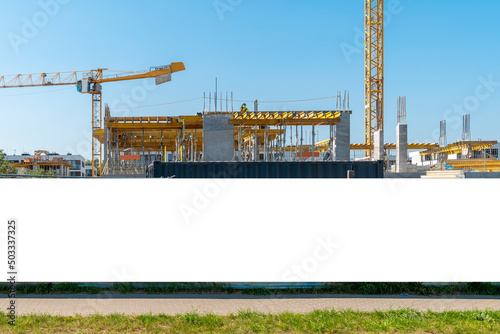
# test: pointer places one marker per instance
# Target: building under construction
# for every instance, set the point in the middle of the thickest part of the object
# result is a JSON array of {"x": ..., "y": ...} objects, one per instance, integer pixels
[
  {"x": 41, "y": 163},
  {"x": 130, "y": 144}
]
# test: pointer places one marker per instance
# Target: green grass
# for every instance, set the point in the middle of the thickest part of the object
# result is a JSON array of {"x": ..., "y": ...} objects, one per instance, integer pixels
[
  {"x": 415, "y": 289},
  {"x": 327, "y": 321}
]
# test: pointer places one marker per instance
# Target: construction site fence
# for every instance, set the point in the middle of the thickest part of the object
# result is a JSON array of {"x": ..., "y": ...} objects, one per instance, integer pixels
[{"x": 266, "y": 170}]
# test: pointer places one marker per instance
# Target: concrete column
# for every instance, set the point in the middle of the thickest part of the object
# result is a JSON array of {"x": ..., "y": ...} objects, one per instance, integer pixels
[
  {"x": 401, "y": 148},
  {"x": 256, "y": 153},
  {"x": 378, "y": 145},
  {"x": 218, "y": 138},
  {"x": 342, "y": 145},
  {"x": 266, "y": 145},
  {"x": 313, "y": 144}
]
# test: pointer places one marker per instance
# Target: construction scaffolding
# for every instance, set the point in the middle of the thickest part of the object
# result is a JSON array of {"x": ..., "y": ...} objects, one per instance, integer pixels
[
  {"x": 464, "y": 147},
  {"x": 132, "y": 143}
]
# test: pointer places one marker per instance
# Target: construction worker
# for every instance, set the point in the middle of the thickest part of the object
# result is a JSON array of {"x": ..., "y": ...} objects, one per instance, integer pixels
[{"x": 243, "y": 108}]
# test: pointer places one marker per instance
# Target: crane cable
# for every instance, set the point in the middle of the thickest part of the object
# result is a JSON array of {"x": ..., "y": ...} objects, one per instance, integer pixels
[
  {"x": 292, "y": 101},
  {"x": 194, "y": 99},
  {"x": 44, "y": 92},
  {"x": 160, "y": 104},
  {"x": 218, "y": 99}
]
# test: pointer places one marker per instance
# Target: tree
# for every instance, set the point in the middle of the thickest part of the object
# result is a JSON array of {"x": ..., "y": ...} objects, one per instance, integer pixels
[
  {"x": 96, "y": 166},
  {"x": 5, "y": 167},
  {"x": 42, "y": 172}
]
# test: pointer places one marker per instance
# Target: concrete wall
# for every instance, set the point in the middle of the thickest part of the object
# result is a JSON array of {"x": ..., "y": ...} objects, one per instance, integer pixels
[
  {"x": 342, "y": 143},
  {"x": 218, "y": 138},
  {"x": 401, "y": 148}
]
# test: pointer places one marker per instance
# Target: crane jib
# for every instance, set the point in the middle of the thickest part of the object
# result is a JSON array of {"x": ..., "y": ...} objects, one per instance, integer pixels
[{"x": 89, "y": 82}]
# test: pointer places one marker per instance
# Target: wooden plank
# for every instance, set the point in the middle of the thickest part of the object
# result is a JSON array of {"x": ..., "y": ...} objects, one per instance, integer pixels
[{"x": 130, "y": 157}]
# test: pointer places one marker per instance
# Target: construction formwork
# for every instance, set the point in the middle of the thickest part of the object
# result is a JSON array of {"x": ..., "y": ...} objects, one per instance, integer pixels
[{"x": 132, "y": 143}]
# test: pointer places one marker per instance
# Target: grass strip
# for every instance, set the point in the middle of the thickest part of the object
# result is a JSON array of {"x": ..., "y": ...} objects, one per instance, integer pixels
[{"x": 327, "y": 321}]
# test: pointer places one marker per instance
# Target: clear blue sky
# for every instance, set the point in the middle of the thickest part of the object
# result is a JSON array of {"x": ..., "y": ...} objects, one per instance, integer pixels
[{"x": 436, "y": 51}]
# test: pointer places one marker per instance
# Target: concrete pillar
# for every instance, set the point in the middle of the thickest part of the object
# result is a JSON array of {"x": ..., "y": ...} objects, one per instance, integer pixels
[
  {"x": 401, "y": 148},
  {"x": 266, "y": 145},
  {"x": 256, "y": 151},
  {"x": 313, "y": 144},
  {"x": 378, "y": 145},
  {"x": 342, "y": 145},
  {"x": 218, "y": 138}
]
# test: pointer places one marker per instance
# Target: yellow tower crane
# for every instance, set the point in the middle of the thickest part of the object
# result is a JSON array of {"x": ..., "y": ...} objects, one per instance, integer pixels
[
  {"x": 89, "y": 82},
  {"x": 374, "y": 70}
]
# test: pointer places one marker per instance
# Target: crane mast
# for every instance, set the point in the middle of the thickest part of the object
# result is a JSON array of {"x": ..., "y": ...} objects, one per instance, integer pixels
[
  {"x": 374, "y": 70},
  {"x": 96, "y": 125}
]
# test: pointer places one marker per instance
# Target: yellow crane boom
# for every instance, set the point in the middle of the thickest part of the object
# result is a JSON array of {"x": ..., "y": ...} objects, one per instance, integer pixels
[
  {"x": 89, "y": 82},
  {"x": 72, "y": 77}
]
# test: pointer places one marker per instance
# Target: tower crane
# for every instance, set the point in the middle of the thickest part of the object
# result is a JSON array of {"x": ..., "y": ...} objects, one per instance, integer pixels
[
  {"x": 90, "y": 82},
  {"x": 374, "y": 70}
]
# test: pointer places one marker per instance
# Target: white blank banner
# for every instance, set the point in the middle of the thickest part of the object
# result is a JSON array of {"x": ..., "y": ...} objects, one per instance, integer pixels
[{"x": 173, "y": 230}]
